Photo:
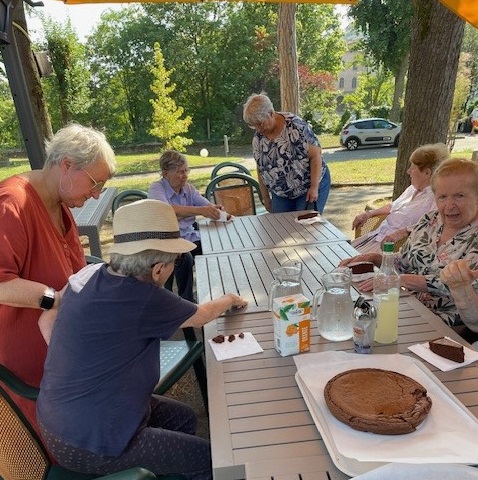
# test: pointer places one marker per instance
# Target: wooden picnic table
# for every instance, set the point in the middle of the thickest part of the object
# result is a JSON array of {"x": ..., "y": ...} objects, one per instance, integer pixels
[
  {"x": 264, "y": 231},
  {"x": 260, "y": 426},
  {"x": 91, "y": 216}
]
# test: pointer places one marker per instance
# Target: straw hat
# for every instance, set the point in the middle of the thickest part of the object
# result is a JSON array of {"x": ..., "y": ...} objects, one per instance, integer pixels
[{"x": 147, "y": 225}]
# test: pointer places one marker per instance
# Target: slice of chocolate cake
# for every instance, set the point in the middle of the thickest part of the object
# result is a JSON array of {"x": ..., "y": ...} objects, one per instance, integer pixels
[
  {"x": 305, "y": 216},
  {"x": 447, "y": 349}
]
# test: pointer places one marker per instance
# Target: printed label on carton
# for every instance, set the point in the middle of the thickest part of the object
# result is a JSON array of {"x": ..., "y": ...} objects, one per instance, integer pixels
[{"x": 291, "y": 324}]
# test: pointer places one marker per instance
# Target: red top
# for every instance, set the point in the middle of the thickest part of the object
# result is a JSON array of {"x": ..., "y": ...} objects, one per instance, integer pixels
[{"x": 31, "y": 249}]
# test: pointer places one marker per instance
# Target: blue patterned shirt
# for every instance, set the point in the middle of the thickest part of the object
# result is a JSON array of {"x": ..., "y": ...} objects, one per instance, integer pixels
[{"x": 283, "y": 163}]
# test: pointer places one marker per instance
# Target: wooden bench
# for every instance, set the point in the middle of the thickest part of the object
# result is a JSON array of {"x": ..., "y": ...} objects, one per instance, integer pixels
[{"x": 91, "y": 216}]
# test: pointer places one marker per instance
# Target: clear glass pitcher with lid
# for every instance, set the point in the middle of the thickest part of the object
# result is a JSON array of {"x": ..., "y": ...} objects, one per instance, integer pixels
[
  {"x": 287, "y": 280},
  {"x": 332, "y": 306}
]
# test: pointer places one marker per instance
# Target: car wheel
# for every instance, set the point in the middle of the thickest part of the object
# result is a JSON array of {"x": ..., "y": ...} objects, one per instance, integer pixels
[
  {"x": 395, "y": 143},
  {"x": 352, "y": 143}
]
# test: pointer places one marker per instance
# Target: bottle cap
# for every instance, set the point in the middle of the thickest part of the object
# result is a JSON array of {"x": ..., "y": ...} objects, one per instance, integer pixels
[{"x": 388, "y": 247}]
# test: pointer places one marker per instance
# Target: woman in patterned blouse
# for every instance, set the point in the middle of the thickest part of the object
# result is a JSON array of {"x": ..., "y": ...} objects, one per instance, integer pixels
[
  {"x": 288, "y": 156},
  {"x": 440, "y": 237}
]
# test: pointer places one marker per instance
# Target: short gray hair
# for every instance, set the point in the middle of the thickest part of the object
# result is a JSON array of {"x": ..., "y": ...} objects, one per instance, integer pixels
[
  {"x": 139, "y": 264},
  {"x": 82, "y": 145},
  {"x": 257, "y": 108},
  {"x": 171, "y": 160}
]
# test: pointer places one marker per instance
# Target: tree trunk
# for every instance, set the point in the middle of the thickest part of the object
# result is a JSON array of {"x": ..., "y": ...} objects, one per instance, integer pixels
[
  {"x": 398, "y": 90},
  {"x": 288, "y": 71},
  {"x": 30, "y": 71},
  {"x": 437, "y": 34}
]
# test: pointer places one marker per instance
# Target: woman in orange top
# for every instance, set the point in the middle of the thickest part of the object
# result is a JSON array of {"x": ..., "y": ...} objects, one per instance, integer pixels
[{"x": 40, "y": 243}]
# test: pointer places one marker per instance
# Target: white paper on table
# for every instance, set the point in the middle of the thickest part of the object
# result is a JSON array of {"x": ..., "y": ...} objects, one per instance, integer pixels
[
  {"x": 445, "y": 365},
  {"x": 311, "y": 220},
  {"x": 240, "y": 347},
  {"x": 449, "y": 434}
]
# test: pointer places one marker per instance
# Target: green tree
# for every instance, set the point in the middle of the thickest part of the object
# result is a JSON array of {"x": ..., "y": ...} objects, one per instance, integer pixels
[
  {"x": 385, "y": 25},
  {"x": 68, "y": 90},
  {"x": 9, "y": 128},
  {"x": 437, "y": 35},
  {"x": 120, "y": 53},
  {"x": 167, "y": 121}
]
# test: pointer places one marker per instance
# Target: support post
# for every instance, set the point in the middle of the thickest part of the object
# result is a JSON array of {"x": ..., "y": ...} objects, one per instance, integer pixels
[{"x": 16, "y": 79}]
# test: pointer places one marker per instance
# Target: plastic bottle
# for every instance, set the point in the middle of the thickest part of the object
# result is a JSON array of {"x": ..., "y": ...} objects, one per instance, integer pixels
[{"x": 386, "y": 293}]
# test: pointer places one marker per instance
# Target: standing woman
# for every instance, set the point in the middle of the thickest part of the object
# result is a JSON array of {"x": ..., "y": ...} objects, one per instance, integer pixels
[
  {"x": 40, "y": 243},
  {"x": 288, "y": 156}
]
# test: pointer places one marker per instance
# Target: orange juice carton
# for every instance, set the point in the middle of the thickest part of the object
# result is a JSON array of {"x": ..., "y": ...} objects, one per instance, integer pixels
[{"x": 291, "y": 316}]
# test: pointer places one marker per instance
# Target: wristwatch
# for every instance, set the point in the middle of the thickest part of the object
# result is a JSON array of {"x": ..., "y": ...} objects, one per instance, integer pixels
[{"x": 48, "y": 299}]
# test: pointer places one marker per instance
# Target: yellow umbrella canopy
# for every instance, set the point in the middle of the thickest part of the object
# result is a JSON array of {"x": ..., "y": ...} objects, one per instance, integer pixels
[
  {"x": 344, "y": 2},
  {"x": 466, "y": 9}
]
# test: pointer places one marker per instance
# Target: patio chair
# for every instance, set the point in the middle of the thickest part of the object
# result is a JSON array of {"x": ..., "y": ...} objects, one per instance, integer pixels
[
  {"x": 176, "y": 357},
  {"x": 237, "y": 166},
  {"x": 22, "y": 454},
  {"x": 372, "y": 224},
  {"x": 127, "y": 196},
  {"x": 236, "y": 192}
]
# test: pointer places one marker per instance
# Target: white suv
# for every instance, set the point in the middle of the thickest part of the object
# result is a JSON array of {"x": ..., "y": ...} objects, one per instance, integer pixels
[{"x": 369, "y": 131}]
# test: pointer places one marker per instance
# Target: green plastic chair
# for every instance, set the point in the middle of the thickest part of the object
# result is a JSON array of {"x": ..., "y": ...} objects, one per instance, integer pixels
[
  {"x": 127, "y": 195},
  {"x": 239, "y": 168},
  {"x": 22, "y": 454},
  {"x": 236, "y": 192}
]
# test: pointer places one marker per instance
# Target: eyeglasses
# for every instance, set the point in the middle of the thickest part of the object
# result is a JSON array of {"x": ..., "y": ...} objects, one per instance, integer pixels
[
  {"x": 97, "y": 186},
  {"x": 182, "y": 171}
]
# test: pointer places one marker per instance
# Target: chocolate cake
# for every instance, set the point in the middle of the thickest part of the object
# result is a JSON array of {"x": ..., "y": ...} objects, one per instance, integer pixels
[
  {"x": 304, "y": 216},
  {"x": 377, "y": 401},
  {"x": 362, "y": 267},
  {"x": 447, "y": 349}
]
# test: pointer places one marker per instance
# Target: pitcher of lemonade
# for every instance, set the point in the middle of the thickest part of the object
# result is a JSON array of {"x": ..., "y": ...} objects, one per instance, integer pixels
[
  {"x": 332, "y": 306},
  {"x": 287, "y": 280}
]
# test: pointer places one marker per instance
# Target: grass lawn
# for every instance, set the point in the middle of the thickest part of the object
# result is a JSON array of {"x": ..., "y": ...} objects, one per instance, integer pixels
[{"x": 131, "y": 165}]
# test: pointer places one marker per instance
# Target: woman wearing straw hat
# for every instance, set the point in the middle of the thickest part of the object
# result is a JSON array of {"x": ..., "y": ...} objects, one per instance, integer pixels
[{"x": 96, "y": 409}]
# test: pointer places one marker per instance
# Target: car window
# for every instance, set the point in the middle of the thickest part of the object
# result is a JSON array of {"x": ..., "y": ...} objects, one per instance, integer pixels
[
  {"x": 367, "y": 124},
  {"x": 382, "y": 124}
]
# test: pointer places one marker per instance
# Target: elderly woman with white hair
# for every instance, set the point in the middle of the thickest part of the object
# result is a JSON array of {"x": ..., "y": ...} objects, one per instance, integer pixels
[
  {"x": 96, "y": 408},
  {"x": 291, "y": 169},
  {"x": 40, "y": 243},
  {"x": 187, "y": 202}
]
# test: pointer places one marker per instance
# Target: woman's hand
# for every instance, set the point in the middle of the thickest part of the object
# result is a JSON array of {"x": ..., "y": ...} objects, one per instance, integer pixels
[
  {"x": 312, "y": 194},
  {"x": 359, "y": 220},
  {"x": 396, "y": 236},
  {"x": 211, "y": 211},
  {"x": 458, "y": 274},
  {"x": 375, "y": 258}
]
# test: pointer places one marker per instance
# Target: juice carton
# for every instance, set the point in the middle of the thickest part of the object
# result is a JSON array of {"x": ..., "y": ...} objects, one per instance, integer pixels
[{"x": 291, "y": 316}]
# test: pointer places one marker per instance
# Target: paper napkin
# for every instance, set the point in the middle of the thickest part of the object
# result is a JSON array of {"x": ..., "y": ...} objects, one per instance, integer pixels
[
  {"x": 240, "y": 347},
  {"x": 445, "y": 365}
]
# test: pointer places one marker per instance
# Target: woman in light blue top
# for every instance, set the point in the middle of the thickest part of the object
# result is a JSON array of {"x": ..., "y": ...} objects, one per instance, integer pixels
[{"x": 187, "y": 202}]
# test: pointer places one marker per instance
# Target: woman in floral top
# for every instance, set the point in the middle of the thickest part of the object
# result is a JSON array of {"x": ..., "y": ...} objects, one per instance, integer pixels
[
  {"x": 439, "y": 238},
  {"x": 288, "y": 156}
]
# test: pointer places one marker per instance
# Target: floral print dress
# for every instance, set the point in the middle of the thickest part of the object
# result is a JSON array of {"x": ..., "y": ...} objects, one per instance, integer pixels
[
  {"x": 283, "y": 163},
  {"x": 420, "y": 255}
]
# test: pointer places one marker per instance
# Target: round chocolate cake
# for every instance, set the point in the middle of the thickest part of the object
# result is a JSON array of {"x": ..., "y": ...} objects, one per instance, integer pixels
[{"x": 377, "y": 401}]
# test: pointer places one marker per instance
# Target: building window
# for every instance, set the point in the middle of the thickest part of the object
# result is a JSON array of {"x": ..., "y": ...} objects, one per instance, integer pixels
[
  {"x": 354, "y": 83},
  {"x": 341, "y": 82}
]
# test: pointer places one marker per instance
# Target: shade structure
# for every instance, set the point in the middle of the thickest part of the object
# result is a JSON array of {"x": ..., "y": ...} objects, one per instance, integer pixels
[
  {"x": 342, "y": 2},
  {"x": 466, "y": 9}
]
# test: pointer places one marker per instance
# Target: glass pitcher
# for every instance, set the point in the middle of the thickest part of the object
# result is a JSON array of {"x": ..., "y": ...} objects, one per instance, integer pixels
[
  {"x": 332, "y": 306},
  {"x": 287, "y": 280}
]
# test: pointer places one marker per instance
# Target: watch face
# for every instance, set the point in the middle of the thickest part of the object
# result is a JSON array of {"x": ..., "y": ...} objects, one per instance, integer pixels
[{"x": 48, "y": 299}]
